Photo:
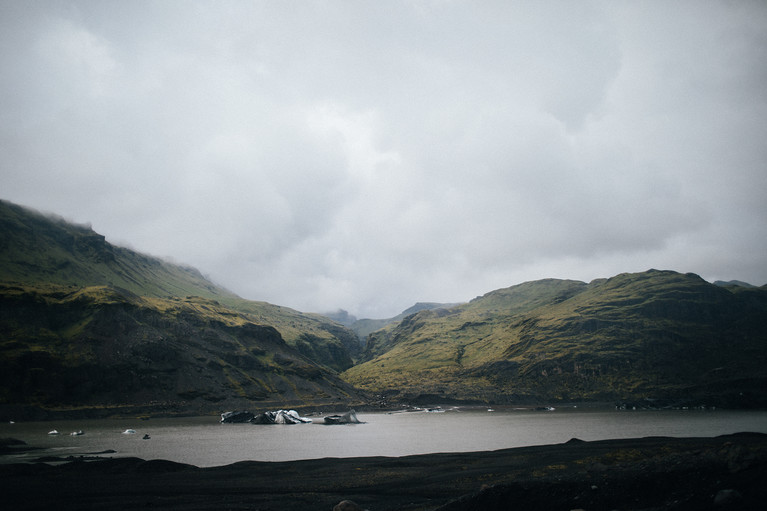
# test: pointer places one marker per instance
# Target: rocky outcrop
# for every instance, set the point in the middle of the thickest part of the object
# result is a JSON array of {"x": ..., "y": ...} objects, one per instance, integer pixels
[{"x": 236, "y": 417}]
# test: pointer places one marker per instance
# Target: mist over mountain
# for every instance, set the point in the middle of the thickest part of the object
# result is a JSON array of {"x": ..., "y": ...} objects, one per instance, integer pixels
[
  {"x": 86, "y": 324},
  {"x": 341, "y": 316},
  {"x": 364, "y": 327},
  {"x": 370, "y": 155},
  {"x": 731, "y": 283}
]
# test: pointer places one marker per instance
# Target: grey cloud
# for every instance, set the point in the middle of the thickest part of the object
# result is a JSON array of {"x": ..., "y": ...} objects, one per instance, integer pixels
[{"x": 369, "y": 155}]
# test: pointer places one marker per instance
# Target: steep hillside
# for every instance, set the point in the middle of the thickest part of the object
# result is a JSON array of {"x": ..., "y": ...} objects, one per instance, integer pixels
[
  {"x": 88, "y": 325},
  {"x": 42, "y": 249},
  {"x": 466, "y": 318},
  {"x": 364, "y": 327},
  {"x": 107, "y": 350},
  {"x": 658, "y": 334},
  {"x": 38, "y": 248}
]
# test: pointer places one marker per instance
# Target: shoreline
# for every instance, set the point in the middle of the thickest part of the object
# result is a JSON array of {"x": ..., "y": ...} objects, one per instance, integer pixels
[
  {"x": 31, "y": 413},
  {"x": 724, "y": 472}
]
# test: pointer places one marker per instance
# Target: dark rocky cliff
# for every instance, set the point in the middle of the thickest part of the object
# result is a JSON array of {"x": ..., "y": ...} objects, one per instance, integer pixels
[{"x": 107, "y": 351}]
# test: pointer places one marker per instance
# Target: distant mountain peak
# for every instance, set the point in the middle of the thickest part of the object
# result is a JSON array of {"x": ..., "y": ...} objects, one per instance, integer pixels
[
  {"x": 340, "y": 316},
  {"x": 419, "y": 306},
  {"x": 659, "y": 334},
  {"x": 731, "y": 283}
]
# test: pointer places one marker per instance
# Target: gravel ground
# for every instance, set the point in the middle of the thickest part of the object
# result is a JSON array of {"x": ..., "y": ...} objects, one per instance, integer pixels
[{"x": 722, "y": 473}]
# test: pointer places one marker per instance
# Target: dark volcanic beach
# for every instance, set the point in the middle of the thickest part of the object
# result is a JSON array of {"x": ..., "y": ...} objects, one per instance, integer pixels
[{"x": 726, "y": 472}]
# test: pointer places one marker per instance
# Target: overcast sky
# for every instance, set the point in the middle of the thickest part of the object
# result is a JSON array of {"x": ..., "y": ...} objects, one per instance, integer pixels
[{"x": 368, "y": 155}]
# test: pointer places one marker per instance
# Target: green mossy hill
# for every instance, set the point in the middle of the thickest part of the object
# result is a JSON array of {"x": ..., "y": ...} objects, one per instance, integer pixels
[
  {"x": 364, "y": 327},
  {"x": 318, "y": 338},
  {"x": 509, "y": 301},
  {"x": 653, "y": 335},
  {"x": 105, "y": 349},
  {"x": 38, "y": 249}
]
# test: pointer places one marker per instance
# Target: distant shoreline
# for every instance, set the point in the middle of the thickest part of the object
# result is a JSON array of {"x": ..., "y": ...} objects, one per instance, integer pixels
[{"x": 29, "y": 413}]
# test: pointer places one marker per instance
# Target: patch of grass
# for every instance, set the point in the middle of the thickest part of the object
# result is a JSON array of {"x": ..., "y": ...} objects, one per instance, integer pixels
[{"x": 652, "y": 333}]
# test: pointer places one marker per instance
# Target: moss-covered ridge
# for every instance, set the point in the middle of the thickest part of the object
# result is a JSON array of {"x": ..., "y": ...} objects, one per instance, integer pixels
[
  {"x": 105, "y": 347},
  {"x": 38, "y": 250},
  {"x": 656, "y": 334}
]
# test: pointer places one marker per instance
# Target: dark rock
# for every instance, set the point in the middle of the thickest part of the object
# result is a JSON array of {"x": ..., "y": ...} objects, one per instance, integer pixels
[
  {"x": 236, "y": 417},
  {"x": 348, "y": 418},
  {"x": 347, "y": 505},
  {"x": 11, "y": 441},
  {"x": 262, "y": 418},
  {"x": 727, "y": 497}
]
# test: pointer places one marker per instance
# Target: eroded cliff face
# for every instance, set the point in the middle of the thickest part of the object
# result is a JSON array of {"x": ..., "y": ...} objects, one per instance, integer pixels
[{"x": 102, "y": 347}]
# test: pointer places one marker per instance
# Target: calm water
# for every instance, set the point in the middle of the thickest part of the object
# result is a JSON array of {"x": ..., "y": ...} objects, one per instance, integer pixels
[{"x": 203, "y": 441}]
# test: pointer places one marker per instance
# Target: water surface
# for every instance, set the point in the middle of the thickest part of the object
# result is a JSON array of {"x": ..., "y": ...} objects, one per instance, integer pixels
[{"x": 203, "y": 441}]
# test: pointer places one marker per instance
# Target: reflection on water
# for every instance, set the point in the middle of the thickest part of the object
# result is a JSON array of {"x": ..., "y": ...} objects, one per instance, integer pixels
[{"x": 203, "y": 441}]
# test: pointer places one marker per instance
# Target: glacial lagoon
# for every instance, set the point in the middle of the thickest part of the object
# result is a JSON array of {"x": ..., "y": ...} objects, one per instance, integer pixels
[{"x": 204, "y": 441}]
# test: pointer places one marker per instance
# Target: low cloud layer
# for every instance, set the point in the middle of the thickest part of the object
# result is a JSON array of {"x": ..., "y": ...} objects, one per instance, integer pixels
[{"x": 367, "y": 155}]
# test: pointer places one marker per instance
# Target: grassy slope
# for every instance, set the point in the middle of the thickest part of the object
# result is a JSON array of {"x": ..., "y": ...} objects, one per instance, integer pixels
[
  {"x": 101, "y": 347},
  {"x": 365, "y": 327},
  {"x": 41, "y": 249},
  {"x": 36, "y": 248},
  {"x": 652, "y": 334},
  {"x": 635, "y": 335}
]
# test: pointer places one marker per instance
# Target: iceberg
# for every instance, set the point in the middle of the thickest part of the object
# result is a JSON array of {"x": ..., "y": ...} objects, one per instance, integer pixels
[
  {"x": 349, "y": 417},
  {"x": 280, "y": 417}
]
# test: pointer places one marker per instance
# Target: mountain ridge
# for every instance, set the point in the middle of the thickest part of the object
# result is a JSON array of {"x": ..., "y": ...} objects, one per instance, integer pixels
[
  {"x": 105, "y": 350},
  {"x": 364, "y": 327},
  {"x": 151, "y": 335},
  {"x": 38, "y": 247},
  {"x": 627, "y": 337},
  {"x": 74, "y": 305},
  {"x": 45, "y": 247}
]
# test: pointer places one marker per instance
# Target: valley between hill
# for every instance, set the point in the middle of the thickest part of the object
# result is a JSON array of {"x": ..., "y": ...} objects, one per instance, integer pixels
[{"x": 88, "y": 328}]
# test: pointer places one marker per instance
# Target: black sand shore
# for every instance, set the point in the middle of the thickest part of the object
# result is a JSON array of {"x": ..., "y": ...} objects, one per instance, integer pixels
[{"x": 727, "y": 472}]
